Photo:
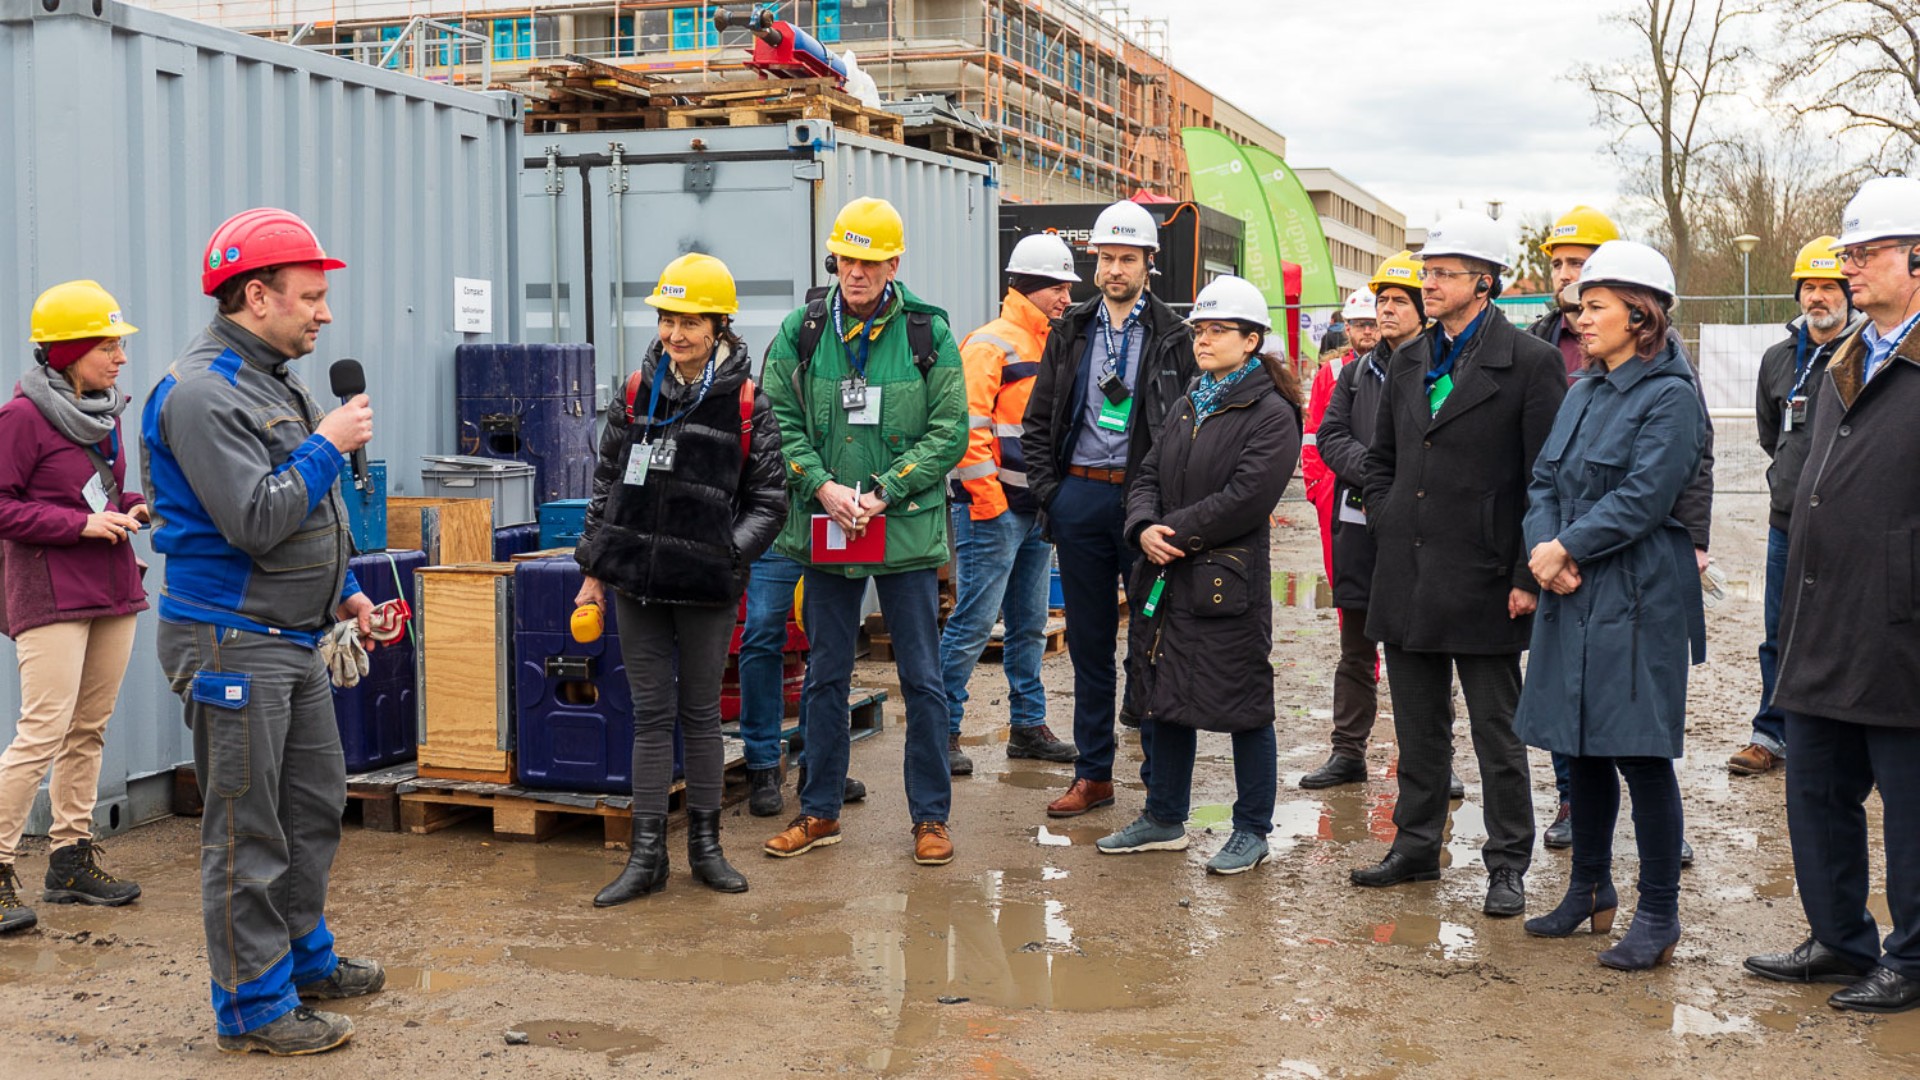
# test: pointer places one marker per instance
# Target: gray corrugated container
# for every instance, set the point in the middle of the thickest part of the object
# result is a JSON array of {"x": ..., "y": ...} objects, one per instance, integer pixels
[
  {"x": 129, "y": 134},
  {"x": 508, "y": 483},
  {"x": 761, "y": 199}
]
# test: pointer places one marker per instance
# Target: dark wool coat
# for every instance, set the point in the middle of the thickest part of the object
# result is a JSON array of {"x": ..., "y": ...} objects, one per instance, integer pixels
[
  {"x": 1346, "y": 430},
  {"x": 1202, "y": 660},
  {"x": 1787, "y": 447},
  {"x": 1849, "y": 641},
  {"x": 1607, "y": 674},
  {"x": 1445, "y": 492},
  {"x": 689, "y": 535}
]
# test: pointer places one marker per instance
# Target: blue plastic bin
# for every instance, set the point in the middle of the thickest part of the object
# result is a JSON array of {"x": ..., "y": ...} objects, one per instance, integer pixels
[
  {"x": 511, "y": 540},
  {"x": 530, "y": 403},
  {"x": 367, "y": 510},
  {"x": 562, "y": 521},
  {"x": 378, "y": 719}
]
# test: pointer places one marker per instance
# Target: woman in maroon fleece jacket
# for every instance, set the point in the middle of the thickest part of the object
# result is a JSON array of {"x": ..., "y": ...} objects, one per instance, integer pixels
[{"x": 69, "y": 585}]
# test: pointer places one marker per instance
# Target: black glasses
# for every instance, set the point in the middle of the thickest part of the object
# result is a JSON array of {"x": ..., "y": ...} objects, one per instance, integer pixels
[
  {"x": 1432, "y": 272},
  {"x": 1860, "y": 255}
]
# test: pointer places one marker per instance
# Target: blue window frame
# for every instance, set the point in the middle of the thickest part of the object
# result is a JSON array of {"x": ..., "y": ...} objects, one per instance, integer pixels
[
  {"x": 513, "y": 38},
  {"x": 693, "y": 30},
  {"x": 623, "y": 36},
  {"x": 826, "y": 20}
]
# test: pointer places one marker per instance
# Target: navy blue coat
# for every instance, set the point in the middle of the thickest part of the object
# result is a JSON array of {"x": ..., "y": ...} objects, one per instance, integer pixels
[{"x": 1607, "y": 674}]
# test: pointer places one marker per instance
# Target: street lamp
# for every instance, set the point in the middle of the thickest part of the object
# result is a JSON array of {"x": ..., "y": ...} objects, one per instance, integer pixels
[{"x": 1746, "y": 242}]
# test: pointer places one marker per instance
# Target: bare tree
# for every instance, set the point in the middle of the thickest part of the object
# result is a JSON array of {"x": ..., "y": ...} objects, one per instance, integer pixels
[
  {"x": 1860, "y": 61},
  {"x": 1533, "y": 268},
  {"x": 1668, "y": 94}
]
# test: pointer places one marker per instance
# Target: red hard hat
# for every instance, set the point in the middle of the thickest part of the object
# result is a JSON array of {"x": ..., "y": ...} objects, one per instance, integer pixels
[{"x": 255, "y": 239}]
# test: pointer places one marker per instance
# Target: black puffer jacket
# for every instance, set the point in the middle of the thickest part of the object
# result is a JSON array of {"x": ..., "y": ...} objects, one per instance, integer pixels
[
  {"x": 1202, "y": 660},
  {"x": 689, "y": 535}
]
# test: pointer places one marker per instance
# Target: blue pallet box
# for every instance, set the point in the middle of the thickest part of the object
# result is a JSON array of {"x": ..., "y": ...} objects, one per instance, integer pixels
[
  {"x": 511, "y": 540},
  {"x": 530, "y": 403},
  {"x": 367, "y": 508},
  {"x": 562, "y": 521},
  {"x": 378, "y": 718},
  {"x": 574, "y": 706}
]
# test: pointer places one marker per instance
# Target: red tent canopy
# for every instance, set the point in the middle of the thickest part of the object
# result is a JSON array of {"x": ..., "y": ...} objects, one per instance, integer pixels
[{"x": 1145, "y": 196}]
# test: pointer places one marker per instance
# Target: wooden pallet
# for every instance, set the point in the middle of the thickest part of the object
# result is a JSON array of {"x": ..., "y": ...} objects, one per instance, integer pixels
[
  {"x": 1056, "y": 643},
  {"x": 377, "y": 794},
  {"x": 956, "y": 141},
  {"x": 866, "y": 715},
  {"x": 752, "y": 102}
]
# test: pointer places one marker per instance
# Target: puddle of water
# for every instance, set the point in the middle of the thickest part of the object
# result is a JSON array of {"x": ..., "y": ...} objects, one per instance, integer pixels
[
  {"x": 1302, "y": 590},
  {"x": 996, "y": 737},
  {"x": 1465, "y": 831},
  {"x": 1169, "y": 1044},
  {"x": 1035, "y": 781},
  {"x": 428, "y": 981},
  {"x": 1297, "y": 820},
  {"x": 1450, "y": 941},
  {"x": 615, "y": 1042},
  {"x": 1680, "y": 1019},
  {"x": 773, "y": 962},
  {"x": 22, "y": 960},
  {"x": 1067, "y": 836},
  {"x": 1896, "y": 1040}
]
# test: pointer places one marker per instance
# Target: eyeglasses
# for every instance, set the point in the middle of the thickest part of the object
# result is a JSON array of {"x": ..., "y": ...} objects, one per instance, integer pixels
[
  {"x": 112, "y": 347},
  {"x": 1214, "y": 329},
  {"x": 1432, "y": 272},
  {"x": 1859, "y": 256}
]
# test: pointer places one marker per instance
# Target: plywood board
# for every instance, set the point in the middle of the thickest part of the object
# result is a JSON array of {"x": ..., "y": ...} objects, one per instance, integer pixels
[
  {"x": 450, "y": 531},
  {"x": 461, "y": 658}
]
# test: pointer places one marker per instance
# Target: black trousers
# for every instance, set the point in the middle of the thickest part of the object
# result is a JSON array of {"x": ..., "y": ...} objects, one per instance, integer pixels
[
  {"x": 675, "y": 656},
  {"x": 1832, "y": 766},
  {"x": 1422, "y": 688},
  {"x": 1356, "y": 685}
]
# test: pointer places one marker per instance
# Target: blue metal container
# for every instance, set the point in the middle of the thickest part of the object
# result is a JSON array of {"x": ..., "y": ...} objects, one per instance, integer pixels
[
  {"x": 562, "y": 521},
  {"x": 511, "y": 540},
  {"x": 378, "y": 717},
  {"x": 530, "y": 403},
  {"x": 575, "y": 707},
  {"x": 367, "y": 509}
]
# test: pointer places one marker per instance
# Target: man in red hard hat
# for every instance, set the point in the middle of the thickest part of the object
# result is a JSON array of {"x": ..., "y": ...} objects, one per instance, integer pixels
[{"x": 243, "y": 471}]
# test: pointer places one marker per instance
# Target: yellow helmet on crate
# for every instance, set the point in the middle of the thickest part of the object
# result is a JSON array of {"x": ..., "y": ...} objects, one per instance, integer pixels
[
  {"x": 1817, "y": 260},
  {"x": 696, "y": 284},
  {"x": 1582, "y": 225},
  {"x": 76, "y": 311},
  {"x": 869, "y": 230},
  {"x": 1402, "y": 270}
]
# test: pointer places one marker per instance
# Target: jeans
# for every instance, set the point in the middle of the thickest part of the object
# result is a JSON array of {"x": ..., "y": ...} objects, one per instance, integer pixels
[
  {"x": 652, "y": 636},
  {"x": 1001, "y": 565},
  {"x": 910, "y": 602},
  {"x": 1088, "y": 520},
  {"x": 1256, "y": 774},
  {"x": 1656, "y": 825},
  {"x": 1769, "y": 724},
  {"x": 763, "y": 643}
]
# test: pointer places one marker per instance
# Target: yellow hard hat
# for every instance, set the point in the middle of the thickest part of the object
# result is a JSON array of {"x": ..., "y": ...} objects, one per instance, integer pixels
[
  {"x": 1402, "y": 269},
  {"x": 1581, "y": 225},
  {"x": 76, "y": 310},
  {"x": 696, "y": 284},
  {"x": 869, "y": 230},
  {"x": 1817, "y": 260}
]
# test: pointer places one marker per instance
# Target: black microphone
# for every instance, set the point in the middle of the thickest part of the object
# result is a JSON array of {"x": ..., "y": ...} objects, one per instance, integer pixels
[{"x": 349, "y": 381}]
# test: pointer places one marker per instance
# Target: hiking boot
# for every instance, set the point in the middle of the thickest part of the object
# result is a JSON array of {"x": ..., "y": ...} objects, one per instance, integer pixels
[
  {"x": 763, "y": 792},
  {"x": 802, "y": 835},
  {"x": 1082, "y": 796},
  {"x": 709, "y": 863},
  {"x": 958, "y": 763},
  {"x": 931, "y": 844},
  {"x": 1243, "y": 852},
  {"x": 1339, "y": 769},
  {"x": 855, "y": 791},
  {"x": 646, "y": 869},
  {"x": 74, "y": 877},
  {"x": 1145, "y": 834},
  {"x": 1753, "y": 761},
  {"x": 1560, "y": 833},
  {"x": 1039, "y": 744},
  {"x": 300, "y": 1032},
  {"x": 350, "y": 978},
  {"x": 14, "y": 915},
  {"x": 1456, "y": 787}
]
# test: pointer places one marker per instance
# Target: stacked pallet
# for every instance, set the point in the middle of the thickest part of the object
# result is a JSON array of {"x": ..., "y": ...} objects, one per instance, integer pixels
[
  {"x": 583, "y": 94},
  {"x": 588, "y": 95}
]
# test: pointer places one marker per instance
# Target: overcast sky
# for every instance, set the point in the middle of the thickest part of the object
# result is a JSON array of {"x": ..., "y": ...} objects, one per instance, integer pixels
[{"x": 1425, "y": 105}]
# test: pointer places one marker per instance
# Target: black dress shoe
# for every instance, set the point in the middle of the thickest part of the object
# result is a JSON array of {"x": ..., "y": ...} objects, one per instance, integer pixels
[
  {"x": 1506, "y": 893},
  {"x": 1395, "y": 869},
  {"x": 1884, "y": 991},
  {"x": 1560, "y": 833},
  {"x": 1811, "y": 962},
  {"x": 1338, "y": 770},
  {"x": 1686, "y": 853},
  {"x": 1456, "y": 787}
]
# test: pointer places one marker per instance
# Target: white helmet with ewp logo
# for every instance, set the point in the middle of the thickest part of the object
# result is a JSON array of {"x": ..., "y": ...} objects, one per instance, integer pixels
[
  {"x": 1884, "y": 207},
  {"x": 1125, "y": 223},
  {"x": 1043, "y": 255},
  {"x": 1230, "y": 299},
  {"x": 1359, "y": 305}
]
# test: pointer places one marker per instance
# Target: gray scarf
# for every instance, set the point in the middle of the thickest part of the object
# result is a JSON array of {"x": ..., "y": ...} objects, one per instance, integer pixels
[{"x": 85, "y": 419}]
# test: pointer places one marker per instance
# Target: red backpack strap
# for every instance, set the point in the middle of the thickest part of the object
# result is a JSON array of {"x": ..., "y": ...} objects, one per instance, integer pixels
[
  {"x": 633, "y": 393},
  {"x": 746, "y": 418}
]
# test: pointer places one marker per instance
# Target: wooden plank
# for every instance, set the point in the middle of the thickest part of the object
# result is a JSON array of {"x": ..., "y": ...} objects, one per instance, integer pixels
[
  {"x": 461, "y": 657},
  {"x": 421, "y": 818},
  {"x": 463, "y": 527}
]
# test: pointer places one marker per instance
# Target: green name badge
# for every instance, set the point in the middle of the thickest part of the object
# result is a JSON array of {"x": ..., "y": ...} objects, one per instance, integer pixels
[
  {"x": 1114, "y": 417},
  {"x": 1153, "y": 597}
]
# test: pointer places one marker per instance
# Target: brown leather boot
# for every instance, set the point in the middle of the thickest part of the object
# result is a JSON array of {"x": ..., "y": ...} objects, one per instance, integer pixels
[
  {"x": 802, "y": 835},
  {"x": 1083, "y": 796},
  {"x": 931, "y": 844},
  {"x": 1753, "y": 761}
]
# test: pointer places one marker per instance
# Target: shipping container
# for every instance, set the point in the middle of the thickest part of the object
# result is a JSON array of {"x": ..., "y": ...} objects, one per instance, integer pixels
[
  {"x": 130, "y": 134},
  {"x": 1197, "y": 243},
  {"x": 612, "y": 209}
]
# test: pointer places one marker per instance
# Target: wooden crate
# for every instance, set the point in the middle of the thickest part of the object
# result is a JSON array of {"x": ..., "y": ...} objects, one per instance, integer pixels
[
  {"x": 449, "y": 530},
  {"x": 881, "y": 643},
  {"x": 465, "y": 620}
]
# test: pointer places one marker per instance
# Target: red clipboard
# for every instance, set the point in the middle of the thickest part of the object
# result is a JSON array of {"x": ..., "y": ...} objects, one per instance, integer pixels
[{"x": 831, "y": 544}]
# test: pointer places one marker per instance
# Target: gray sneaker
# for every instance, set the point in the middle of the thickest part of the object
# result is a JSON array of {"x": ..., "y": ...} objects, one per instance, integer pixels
[
  {"x": 300, "y": 1032},
  {"x": 1145, "y": 834},
  {"x": 1243, "y": 852},
  {"x": 350, "y": 978}
]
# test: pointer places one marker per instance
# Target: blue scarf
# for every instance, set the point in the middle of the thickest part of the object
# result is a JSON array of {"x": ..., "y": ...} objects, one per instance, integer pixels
[{"x": 1206, "y": 396}]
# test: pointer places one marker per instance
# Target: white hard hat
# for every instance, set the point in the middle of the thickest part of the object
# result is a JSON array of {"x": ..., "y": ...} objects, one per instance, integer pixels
[
  {"x": 1042, "y": 255},
  {"x": 1359, "y": 305},
  {"x": 1884, "y": 207},
  {"x": 1125, "y": 223},
  {"x": 1470, "y": 234},
  {"x": 1230, "y": 299},
  {"x": 1625, "y": 262}
]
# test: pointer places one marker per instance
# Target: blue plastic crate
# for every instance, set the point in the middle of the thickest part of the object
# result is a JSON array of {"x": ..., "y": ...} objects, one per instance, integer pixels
[
  {"x": 511, "y": 540},
  {"x": 562, "y": 521},
  {"x": 367, "y": 509},
  {"x": 530, "y": 403},
  {"x": 378, "y": 720}
]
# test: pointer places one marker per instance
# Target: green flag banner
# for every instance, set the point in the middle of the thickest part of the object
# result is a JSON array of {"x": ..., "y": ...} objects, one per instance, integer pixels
[
  {"x": 1296, "y": 226},
  {"x": 1223, "y": 180}
]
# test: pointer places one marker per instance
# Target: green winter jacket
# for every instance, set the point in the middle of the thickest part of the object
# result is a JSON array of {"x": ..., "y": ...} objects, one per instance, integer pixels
[{"x": 921, "y": 434}]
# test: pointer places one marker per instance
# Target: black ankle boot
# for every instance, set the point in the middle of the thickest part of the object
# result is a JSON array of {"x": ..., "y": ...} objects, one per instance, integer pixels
[
  {"x": 646, "y": 869},
  {"x": 1584, "y": 900},
  {"x": 710, "y": 866}
]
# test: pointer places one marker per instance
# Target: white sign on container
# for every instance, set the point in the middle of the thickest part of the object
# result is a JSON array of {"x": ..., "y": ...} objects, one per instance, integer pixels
[{"x": 472, "y": 305}]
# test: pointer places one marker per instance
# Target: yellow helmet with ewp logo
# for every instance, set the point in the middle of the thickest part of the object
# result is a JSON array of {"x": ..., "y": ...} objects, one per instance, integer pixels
[
  {"x": 1402, "y": 269},
  {"x": 75, "y": 311},
  {"x": 1817, "y": 260},
  {"x": 1582, "y": 225},
  {"x": 696, "y": 284},
  {"x": 869, "y": 230}
]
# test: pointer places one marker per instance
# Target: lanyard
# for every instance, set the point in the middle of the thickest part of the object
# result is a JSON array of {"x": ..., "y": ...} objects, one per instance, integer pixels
[
  {"x": 1117, "y": 351},
  {"x": 1887, "y": 346},
  {"x": 109, "y": 447},
  {"x": 857, "y": 358},
  {"x": 653, "y": 396}
]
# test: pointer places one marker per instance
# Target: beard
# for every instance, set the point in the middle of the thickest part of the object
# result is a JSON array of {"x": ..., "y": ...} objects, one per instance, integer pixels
[{"x": 1827, "y": 320}]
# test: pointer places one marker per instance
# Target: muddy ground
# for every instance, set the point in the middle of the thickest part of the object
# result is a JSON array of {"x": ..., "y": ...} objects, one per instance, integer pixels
[{"x": 1031, "y": 955}]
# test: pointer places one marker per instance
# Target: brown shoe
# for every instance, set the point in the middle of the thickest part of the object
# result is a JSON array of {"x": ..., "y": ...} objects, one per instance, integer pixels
[
  {"x": 1753, "y": 761},
  {"x": 931, "y": 844},
  {"x": 1083, "y": 796},
  {"x": 803, "y": 835}
]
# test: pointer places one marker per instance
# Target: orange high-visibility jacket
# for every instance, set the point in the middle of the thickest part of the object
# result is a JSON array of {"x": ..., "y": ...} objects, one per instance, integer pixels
[{"x": 1001, "y": 359}]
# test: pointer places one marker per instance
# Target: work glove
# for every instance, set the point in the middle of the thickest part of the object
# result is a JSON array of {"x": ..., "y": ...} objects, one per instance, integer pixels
[{"x": 345, "y": 657}]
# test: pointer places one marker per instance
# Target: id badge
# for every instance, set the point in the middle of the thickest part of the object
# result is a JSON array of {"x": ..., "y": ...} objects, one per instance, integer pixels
[
  {"x": 1114, "y": 415},
  {"x": 853, "y": 395},
  {"x": 1152, "y": 606},
  {"x": 661, "y": 460},
  {"x": 95, "y": 493},
  {"x": 863, "y": 410},
  {"x": 1795, "y": 416},
  {"x": 1353, "y": 509},
  {"x": 638, "y": 460},
  {"x": 1115, "y": 388}
]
